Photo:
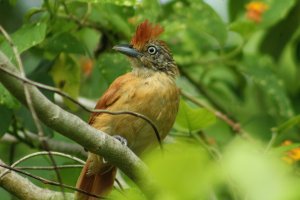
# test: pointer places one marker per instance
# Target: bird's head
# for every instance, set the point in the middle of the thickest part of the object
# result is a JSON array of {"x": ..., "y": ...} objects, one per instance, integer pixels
[{"x": 147, "y": 51}]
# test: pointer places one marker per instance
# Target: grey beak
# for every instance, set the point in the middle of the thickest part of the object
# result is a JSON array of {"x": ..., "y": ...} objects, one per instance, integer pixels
[{"x": 127, "y": 50}]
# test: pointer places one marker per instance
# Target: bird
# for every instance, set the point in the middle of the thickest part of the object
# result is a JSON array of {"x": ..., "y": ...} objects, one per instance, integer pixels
[{"x": 149, "y": 89}]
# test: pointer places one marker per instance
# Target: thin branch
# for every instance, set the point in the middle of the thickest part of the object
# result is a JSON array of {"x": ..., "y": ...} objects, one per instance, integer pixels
[
  {"x": 48, "y": 182},
  {"x": 271, "y": 141},
  {"x": 57, "y": 91},
  {"x": 41, "y": 153},
  {"x": 73, "y": 127},
  {"x": 22, "y": 188},
  {"x": 45, "y": 153},
  {"x": 54, "y": 145},
  {"x": 29, "y": 101},
  {"x": 201, "y": 89},
  {"x": 236, "y": 127},
  {"x": 48, "y": 167}
]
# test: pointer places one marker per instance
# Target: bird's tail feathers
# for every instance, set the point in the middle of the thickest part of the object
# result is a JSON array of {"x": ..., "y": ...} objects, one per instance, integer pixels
[{"x": 98, "y": 182}]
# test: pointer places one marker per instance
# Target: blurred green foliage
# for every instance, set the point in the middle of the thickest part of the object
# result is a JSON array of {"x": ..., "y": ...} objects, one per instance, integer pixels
[{"x": 248, "y": 69}]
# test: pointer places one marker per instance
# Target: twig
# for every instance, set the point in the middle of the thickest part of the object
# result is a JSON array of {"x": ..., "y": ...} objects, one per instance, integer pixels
[
  {"x": 48, "y": 167},
  {"x": 45, "y": 153},
  {"x": 54, "y": 145},
  {"x": 22, "y": 188},
  {"x": 236, "y": 127},
  {"x": 42, "y": 153},
  {"x": 49, "y": 182},
  {"x": 119, "y": 184},
  {"x": 29, "y": 101},
  {"x": 57, "y": 91},
  {"x": 272, "y": 141}
]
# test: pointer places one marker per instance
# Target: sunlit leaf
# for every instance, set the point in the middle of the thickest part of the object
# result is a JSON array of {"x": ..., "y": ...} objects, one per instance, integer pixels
[
  {"x": 258, "y": 175},
  {"x": 148, "y": 10},
  {"x": 183, "y": 171},
  {"x": 24, "y": 38}
]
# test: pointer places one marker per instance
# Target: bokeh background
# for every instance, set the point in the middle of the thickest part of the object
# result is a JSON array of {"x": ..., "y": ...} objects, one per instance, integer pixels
[{"x": 237, "y": 131}]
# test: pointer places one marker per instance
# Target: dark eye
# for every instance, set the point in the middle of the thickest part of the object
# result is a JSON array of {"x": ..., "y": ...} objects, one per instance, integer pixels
[{"x": 152, "y": 50}]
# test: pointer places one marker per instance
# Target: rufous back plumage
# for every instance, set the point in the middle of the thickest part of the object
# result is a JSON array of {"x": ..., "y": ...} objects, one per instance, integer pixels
[{"x": 144, "y": 33}]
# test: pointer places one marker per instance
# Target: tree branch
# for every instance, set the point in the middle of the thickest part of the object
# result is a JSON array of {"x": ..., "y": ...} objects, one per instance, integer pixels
[
  {"x": 57, "y": 91},
  {"x": 74, "y": 128},
  {"x": 22, "y": 188},
  {"x": 53, "y": 145},
  {"x": 60, "y": 146}
]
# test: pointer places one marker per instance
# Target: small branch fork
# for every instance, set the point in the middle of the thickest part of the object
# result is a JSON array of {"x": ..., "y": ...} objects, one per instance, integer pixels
[
  {"x": 49, "y": 182},
  {"x": 30, "y": 105},
  {"x": 14, "y": 167}
]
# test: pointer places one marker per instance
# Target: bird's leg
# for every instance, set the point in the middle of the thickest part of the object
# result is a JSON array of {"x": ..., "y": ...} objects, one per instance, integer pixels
[{"x": 120, "y": 139}]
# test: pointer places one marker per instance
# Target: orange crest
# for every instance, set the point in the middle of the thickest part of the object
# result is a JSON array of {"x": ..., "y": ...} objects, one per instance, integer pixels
[{"x": 144, "y": 33}]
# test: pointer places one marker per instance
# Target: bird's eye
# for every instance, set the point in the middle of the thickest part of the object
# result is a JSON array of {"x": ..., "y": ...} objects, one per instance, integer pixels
[{"x": 152, "y": 50}]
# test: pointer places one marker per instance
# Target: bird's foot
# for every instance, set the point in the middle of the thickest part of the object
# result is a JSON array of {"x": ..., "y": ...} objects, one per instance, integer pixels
[{"x": 121, "y": 139}]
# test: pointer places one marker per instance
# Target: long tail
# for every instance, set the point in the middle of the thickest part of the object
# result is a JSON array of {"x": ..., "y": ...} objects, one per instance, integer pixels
[{"x": 95, "y": 178}]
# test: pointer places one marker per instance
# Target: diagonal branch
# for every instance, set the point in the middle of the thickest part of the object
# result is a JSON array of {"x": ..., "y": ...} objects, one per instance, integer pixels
[
  {"x": 74, "y": 128},
  {"x": 45, "y": 181},
  {"x": 63, "y": 94},
  {"x": 24, "y": 189},
  {"x": 54, "y": 145}
]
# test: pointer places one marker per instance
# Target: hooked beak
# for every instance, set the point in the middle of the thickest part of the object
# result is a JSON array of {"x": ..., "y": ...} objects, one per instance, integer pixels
[{"x": 127, "y": 50}]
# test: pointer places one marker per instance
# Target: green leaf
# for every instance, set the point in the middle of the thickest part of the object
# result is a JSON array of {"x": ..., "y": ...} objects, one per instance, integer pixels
[
  {"x": 194, "y": 28},
  {"x": 112, "y": 17},
  {"x": 148, "y": 10},
  {"x": 244, "y": 27},
  {"x": 292, "y": 122},
  {"x": 235, "y": 8},
  {"x": 107, "y": 68},
  {"x": 205, "y": 19},
  {"x": 7, "y": 99},
  {"x": 194, "y": 119},
  {"x": 65, "y": 42},
  {"x": 112, "y": 65},
  {"x": 281, "y": 150},
  {"x": 278, "y": 9},
  {"x": 183, "y": 172},
  {"x": 66, "y": 75},
  {"x": 116, "y": 2},
  {"x": 259, "y": 69},
  {"x": 6, "y": 116},
  {"x": 24, "y": 38},
  {"x": 256, "y": 174},
  {"x": 275, "y": 39}
]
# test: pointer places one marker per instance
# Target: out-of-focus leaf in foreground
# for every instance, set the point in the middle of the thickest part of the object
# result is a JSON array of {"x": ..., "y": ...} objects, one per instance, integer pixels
[{"x": 257, "y": 174}]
